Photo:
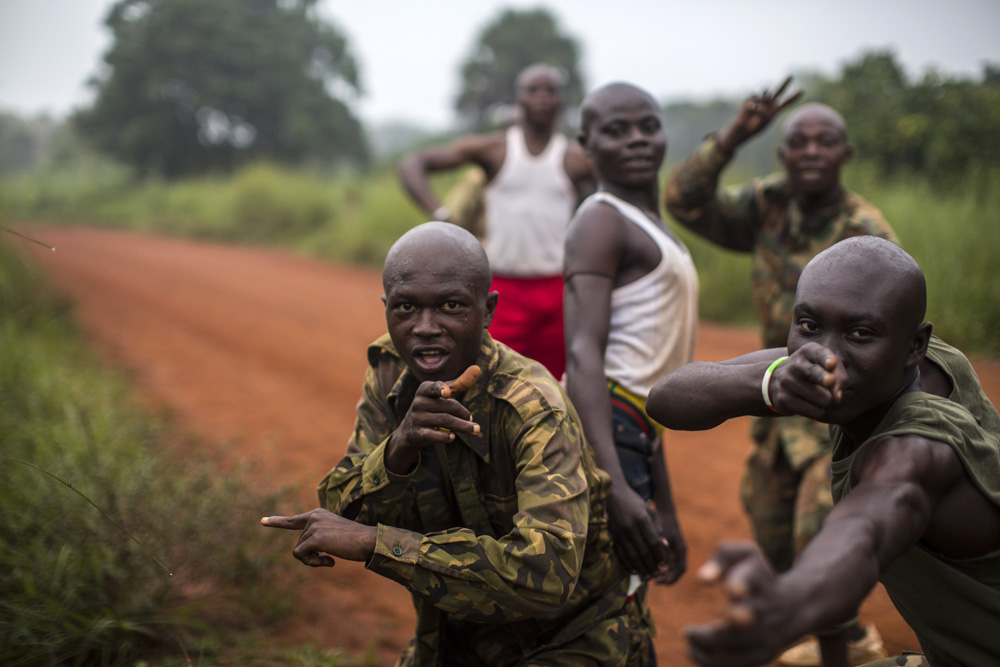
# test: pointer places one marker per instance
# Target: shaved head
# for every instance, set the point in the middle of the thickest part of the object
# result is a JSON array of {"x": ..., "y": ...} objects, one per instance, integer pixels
[
  {"x": 540, "y": 69},
  {"x": 419, "y": 250},
  {"x": 816, "y": 112},
  {"x": 878, "y": 263},
  {"x": 597, "y": 101}
]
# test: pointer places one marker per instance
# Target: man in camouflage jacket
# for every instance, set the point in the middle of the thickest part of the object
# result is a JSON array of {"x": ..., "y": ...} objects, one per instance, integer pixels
[
  {"x": 784, "y": 220},
  {"x": 490, "y": 510}
]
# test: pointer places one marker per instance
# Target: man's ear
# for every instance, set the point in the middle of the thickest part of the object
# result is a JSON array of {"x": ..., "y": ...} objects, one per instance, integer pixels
[
  {"x": 918, "y": 345},
  {"x": 780, "y": 153},
  {"x": 848, "y": 154},
  {"x": 582, "y": 140},
  {"x": 384, "y": 302},
  {"x": 491, "y": 308}
]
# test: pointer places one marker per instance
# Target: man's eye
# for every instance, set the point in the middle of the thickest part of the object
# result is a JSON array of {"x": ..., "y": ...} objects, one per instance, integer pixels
[
  {"x": 452, "y": 305},
  {"x": 651, "y": 127},
  {"x": 405, "y": 307},
  {"x": 860, "y": 333},
  {"x": 808, "y": 326}
]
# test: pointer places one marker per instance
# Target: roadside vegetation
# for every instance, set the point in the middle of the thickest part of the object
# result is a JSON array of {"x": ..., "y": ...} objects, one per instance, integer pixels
[
  {"x": 353, "y": 217},
  {"x": 75, "y": 587}
]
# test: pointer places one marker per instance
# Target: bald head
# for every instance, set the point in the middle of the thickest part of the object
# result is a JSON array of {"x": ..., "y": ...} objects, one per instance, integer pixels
[
  {"x": 815, "y": 112},
  {"x": 423, "y": 249},
  {"x": 881, "y": 265},
  {"x": 599, "y": 101},
  {"x": 540, "y": 70}
]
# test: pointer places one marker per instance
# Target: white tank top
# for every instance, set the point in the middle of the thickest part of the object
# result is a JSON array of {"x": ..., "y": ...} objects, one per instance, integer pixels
[
  {"x": 654, "y": 320},
  {"x": 528, "y": 207}
]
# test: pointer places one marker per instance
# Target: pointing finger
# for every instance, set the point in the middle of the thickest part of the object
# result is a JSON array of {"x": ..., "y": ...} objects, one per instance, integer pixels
[{"x": 297, "y": 522}]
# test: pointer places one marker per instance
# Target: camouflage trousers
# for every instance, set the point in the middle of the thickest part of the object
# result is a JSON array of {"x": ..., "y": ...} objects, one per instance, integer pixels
[
  {"x": 786, "y": 507},
  {"x": 905, "y": 660}
]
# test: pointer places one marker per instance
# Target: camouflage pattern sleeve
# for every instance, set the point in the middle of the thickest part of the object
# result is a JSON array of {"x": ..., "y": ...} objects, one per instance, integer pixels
[
  {"x": 726, "y": 216},
  {"x": 530, "y": 570},
  {"x": 360, "y": 487}
]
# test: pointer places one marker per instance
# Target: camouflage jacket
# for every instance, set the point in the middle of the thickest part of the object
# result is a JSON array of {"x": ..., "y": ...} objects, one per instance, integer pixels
[
  {"x": 763, "y": 218},
  {"x": 507, "y": 552}
]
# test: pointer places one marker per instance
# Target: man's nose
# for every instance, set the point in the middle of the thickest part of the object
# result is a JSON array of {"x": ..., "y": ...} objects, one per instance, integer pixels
[{"x": 426, "y": 324}]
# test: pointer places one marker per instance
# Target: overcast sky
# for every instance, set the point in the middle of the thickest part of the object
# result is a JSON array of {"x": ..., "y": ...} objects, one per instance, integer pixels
[{"x": 410, "y": 50}]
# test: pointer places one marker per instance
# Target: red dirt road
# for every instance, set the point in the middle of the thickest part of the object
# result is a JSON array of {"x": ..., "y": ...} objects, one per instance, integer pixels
[{"x": 264, "y": 350}]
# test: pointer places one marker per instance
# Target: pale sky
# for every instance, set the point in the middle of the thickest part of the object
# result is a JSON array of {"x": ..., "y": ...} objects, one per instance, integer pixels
[{"x": 410, "y": 50}]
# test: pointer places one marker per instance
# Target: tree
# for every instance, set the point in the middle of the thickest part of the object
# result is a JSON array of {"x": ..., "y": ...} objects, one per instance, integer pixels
[
  {"x": 505, "y": 47},
  {"x": 199, "y": 85}
]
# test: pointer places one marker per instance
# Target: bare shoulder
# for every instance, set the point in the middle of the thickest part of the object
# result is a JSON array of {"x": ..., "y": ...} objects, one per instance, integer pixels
[
  {"x": 931, "y": 464},
  {"x": 576, "y": 163},
  {"x": 595, "y": 237}
]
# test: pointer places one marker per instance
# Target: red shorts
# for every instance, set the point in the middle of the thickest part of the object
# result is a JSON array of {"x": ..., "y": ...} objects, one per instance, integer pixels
[{"x": 529, "y": 319}]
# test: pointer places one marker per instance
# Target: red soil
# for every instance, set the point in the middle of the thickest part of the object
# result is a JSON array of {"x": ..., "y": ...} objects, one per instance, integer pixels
[{"x": 264, "y": 350}]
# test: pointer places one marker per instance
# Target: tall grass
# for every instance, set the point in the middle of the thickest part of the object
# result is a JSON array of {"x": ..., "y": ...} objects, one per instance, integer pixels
[
  {"x": 955, "y": 237},
  {"x": 355, "y": 217},
  {"x": 74, "y": 589}
]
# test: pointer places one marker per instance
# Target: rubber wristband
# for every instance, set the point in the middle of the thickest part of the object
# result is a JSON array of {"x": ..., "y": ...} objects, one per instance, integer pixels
[{"x": 765, "y": 384}]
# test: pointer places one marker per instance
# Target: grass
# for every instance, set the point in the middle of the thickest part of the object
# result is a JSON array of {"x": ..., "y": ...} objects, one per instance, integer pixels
[
  {"x": 75, "y": 589},
  {"x": 353, "y": 217}
]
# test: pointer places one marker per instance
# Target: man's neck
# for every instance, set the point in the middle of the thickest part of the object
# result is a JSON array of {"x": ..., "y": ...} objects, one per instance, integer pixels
[
  {"x": 810, "y": 202},
  {"x": 536, "y": 137},
  {"x": 646, "y": 199}
]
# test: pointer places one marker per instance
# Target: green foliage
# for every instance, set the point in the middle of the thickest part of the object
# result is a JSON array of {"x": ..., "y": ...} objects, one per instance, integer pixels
[
  {"x": 74, "y": 589},
  {"x": 355, "y": 217},
  {"x": 941, "y": 127},
  {"x": 515, "y": 40},
  {"x": 194, "y": 86},
  {"x": 953, "y": 235}
]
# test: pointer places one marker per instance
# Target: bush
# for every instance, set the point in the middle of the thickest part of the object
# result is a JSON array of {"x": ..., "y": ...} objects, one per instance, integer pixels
[{"x": 74, "y": 588}]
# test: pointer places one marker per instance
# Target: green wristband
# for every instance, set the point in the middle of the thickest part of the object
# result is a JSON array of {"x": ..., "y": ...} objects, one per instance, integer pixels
[{"x": 765, "y": 384}]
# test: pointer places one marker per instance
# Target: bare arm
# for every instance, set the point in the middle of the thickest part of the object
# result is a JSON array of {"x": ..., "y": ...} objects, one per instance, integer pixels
[
  {"x": 900, "y": 482},
  {"x": 413, "y": 170},
  {"x": 703, "y": 394},
  {"x": 594, "y": 243}
]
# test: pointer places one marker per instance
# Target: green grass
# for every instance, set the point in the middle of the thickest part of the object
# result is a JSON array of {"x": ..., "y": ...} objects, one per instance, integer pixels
[
  {"x": 74, "y": 588},
  {"x": 353, "y": 217}
]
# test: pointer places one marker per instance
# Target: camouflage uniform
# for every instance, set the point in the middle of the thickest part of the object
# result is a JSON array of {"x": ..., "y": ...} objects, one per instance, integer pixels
[
  {"x": 507, "y": 554},
  {"x": 786, "y": 488}
]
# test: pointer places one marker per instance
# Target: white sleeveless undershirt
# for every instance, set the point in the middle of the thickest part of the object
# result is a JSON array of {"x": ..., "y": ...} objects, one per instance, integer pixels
[
  {"x": 654, "y": 320},
  {"x": 528, "y": 207}
]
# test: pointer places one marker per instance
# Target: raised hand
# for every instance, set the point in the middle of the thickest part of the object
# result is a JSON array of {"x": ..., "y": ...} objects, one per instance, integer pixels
[
  {"x": 754, "y": 115},
  {"x": 435, "y": 416}
]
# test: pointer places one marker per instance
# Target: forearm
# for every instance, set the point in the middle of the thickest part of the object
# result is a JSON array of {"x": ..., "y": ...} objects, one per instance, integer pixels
[
  {"x": 412, "y": 173},
  {"x": 702, "y": 394}
]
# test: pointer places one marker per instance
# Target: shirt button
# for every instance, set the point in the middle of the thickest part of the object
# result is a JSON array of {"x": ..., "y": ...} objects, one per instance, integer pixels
[
  {"x": 375, "y": 479},
  {"x": 397, "y": 550},
  {"x": 498, "y": 384}
]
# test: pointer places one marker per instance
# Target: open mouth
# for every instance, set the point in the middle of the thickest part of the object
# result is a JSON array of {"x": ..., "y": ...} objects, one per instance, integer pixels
[{"x": 430, "y": 360}]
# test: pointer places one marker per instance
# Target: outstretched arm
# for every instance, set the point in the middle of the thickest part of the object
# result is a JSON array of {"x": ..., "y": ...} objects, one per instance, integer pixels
[
  {"x": 900, "y": 482},
  {"x": 703, "y": 394}
]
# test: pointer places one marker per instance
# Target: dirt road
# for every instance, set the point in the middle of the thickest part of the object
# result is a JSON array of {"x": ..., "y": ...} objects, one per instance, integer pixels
[{"x": 264, "y": 350}]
